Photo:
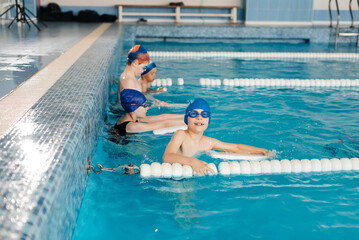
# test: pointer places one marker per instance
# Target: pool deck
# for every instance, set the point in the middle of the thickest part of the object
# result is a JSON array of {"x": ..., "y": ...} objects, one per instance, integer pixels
[
  {"x": 24, "y": 51},
  {"x": 19, "y": 101}
]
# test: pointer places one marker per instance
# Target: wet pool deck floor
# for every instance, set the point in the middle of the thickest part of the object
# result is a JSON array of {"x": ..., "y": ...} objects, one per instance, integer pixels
[
  {"x": 24, "y": 51},
  {"x": 31, "y": 62}
]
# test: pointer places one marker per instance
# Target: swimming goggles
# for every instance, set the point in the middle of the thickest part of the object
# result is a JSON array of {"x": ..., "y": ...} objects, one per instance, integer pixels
[
  {"x": 145, "y": 104},
  {"x": 194, "y": 114}
]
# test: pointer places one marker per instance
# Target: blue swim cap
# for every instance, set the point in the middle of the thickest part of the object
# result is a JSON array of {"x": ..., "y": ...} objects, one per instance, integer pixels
[
  {"x": 138, "y": 54},
  {"x": 150, "y": 66},
  {"x": 131, "y": 99},
  {"x": 198, "y": 103}
]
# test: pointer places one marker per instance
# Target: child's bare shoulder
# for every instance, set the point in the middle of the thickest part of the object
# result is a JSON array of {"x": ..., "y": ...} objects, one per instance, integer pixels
[
  {"x": 205, "y": 138},
  {"x": 180, "y": 134},
  {"x": 209, "y": 140}
]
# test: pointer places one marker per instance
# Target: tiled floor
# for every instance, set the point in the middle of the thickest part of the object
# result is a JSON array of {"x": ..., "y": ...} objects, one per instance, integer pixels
[{"x": 24, "y": 51}]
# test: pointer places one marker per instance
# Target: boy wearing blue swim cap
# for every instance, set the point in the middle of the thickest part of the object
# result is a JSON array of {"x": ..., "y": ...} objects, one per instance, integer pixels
[
  {"x": 135, "y": 105},
  {"x": 147, "y": 77},
  {"x": 186, "y": 143}
]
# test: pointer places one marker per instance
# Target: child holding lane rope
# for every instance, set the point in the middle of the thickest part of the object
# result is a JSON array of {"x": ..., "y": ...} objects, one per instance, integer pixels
[{"x": 185, "y": 143}]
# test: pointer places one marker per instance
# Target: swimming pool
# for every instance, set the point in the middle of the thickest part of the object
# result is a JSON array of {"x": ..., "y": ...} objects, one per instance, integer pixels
[{"x": 298, "y": 122}]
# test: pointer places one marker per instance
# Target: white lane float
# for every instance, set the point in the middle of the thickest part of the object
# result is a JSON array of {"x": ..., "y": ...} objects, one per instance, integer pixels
[
  {"x": 279, "y": 82},
  {"x": 163, "y": 82},
  {"x": 162, "y": 131},
  {"x": 255, "y": 55},
  {"x": 176, "y": 105},
  {"x": 176, "y": 170}
]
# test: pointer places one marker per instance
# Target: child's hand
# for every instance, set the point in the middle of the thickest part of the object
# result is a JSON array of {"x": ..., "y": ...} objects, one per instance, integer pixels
[
  {"x": 265, "y": 152},
  {"x": 162, "y": 89},
  {"x": 200, "y": 167}
]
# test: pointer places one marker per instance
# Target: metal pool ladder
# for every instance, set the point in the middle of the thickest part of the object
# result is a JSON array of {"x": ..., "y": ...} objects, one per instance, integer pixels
[{"x": 346, "y": 33}]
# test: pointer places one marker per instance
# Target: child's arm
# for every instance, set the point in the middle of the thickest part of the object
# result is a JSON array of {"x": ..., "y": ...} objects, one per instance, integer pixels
[
  {"x": 171, "y": 155},
  {"x": 238, "y": 148},
  {"x": 158, "y": 102},
  {"x": 163, "y": 117},
  {"x": 161, "y": 89},
  {"x": 138, "y": 127}
]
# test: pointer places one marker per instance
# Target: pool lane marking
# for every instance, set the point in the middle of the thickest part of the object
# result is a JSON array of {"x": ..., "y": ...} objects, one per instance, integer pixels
[
  {"x": 15, "y": 105},
  {"x": 280, "y": 82},
  {"x": 256, "y": 55}
]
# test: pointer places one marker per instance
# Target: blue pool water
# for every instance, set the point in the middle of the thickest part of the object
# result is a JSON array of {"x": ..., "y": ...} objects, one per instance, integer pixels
[{"x": 296, "y": 122}]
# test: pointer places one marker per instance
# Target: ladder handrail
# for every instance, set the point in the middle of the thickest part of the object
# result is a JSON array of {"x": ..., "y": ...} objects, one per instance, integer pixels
[
  {"x": 338, "y": 19},
  {"x": 330, "y": 14},
  {"x": 337, "y": 33}
]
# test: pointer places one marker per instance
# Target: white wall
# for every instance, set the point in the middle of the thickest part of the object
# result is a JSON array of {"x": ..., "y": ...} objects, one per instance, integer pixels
[
  {"x": 343, "y": 5},
  {"x": 143, "y": 2}
]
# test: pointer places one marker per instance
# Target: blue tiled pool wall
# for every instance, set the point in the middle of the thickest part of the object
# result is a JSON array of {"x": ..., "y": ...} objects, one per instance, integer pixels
[
  {"x": 57, "y": 133},
  {"x": 233, "y": 33},
  {"x": 279, "y": 10},
  {"x": 251, "y": 11},
  {"x": 293, "y": 11}
]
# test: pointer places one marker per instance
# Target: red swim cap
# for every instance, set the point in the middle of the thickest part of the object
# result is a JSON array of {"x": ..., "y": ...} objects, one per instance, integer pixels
[{"x": 138, "y": 54}]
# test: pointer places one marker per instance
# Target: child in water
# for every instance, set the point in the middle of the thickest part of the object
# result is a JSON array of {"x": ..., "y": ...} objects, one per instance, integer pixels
[
  {"x": 135, "y": 105},
  {"x": 185, "y": 143},
  {"x": 137, "y": 62},
  {"x": 147, "y": 77}
]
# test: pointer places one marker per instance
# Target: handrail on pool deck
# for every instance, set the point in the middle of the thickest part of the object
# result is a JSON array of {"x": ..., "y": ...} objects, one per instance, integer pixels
[{"x": 177, "y": 14}]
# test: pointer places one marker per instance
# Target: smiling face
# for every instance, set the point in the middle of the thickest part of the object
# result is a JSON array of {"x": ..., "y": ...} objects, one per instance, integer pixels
[
  {"x": 150, "y": 76},
  {"x": 198, "y": 124}
]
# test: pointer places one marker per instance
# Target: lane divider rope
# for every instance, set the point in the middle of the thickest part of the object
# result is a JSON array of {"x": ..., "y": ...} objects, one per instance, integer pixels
[
  {"x": 176, "y": 170},
  {"x": 256, "y": 55},
  {"x": 264, "y": 82},
  {"x": 280, "y": 82}
]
